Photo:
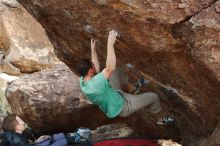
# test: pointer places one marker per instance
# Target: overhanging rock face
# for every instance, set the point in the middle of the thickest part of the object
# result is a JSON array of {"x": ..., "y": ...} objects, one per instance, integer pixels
[{"x": 174, "y": 43}]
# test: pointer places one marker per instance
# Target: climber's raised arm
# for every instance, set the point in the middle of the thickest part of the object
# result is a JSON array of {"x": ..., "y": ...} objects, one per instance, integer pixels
[
  {"x": 111, "y": 58},
  {"x": 95, "y": 60}
]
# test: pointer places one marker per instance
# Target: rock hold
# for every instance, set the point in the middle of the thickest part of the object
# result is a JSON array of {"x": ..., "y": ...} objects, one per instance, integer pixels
[{"x": 11, "y": 3}]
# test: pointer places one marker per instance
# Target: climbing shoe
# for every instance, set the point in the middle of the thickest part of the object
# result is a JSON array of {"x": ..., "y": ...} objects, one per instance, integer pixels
[
  {"x": 140, "y": 83},
  {"x": 166, "y": 121}
]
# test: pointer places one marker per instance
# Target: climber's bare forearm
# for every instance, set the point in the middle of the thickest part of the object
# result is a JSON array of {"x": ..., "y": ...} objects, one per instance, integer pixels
[
  {"x": 94, "y": 56},
  {"x": 111, "y": 58}
]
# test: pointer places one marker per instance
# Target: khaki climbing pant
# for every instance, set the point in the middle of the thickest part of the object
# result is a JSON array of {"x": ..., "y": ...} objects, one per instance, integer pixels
[{"x": 132, "y": 103}]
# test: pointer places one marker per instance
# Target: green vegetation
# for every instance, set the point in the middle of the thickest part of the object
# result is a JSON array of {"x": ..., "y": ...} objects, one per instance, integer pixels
[{"x": 4, "y": 106}]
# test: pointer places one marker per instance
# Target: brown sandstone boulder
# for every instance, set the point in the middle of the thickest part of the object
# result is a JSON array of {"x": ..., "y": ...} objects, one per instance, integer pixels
[
  {"x": 22, "y": 40},
  {"x": 175, "y": 44},
  {"x": 48, "y": 100},
  {"x": 7, "y": 67}
]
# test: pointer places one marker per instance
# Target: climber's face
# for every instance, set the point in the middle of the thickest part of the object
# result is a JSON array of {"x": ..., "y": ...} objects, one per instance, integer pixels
[{"x": 20, "y": 126}]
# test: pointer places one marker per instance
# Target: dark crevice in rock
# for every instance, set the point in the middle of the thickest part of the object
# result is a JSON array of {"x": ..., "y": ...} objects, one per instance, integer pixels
[{"x": 189, "y": 17}]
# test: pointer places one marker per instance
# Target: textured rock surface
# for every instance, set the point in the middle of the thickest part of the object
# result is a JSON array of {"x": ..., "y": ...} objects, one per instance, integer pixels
[
  {"x": 163, "y": 142},
  {"x": 6, "y": 67},
  {"x": 5, "y": 80},
  {"x": 173, "y": 43},
  {"x": 22, "y": 40},
  {"x": 47, "y": 99},
  {"x": 118, "y": 130},
  {"x": 214, "y": 139}
]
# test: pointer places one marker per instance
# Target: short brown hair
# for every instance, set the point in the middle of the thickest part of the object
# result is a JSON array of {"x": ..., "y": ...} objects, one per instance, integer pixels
[
  {"x": 84, "y": 66},
  {"x": 9, "y": 123}
]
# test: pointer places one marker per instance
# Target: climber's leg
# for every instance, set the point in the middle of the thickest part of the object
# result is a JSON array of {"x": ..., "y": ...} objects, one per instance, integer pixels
[{"x": 136, "y": 102}]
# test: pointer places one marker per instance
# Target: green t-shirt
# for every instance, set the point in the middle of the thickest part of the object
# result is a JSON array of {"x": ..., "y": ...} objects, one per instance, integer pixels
[{"x": 99, "y": 92}]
